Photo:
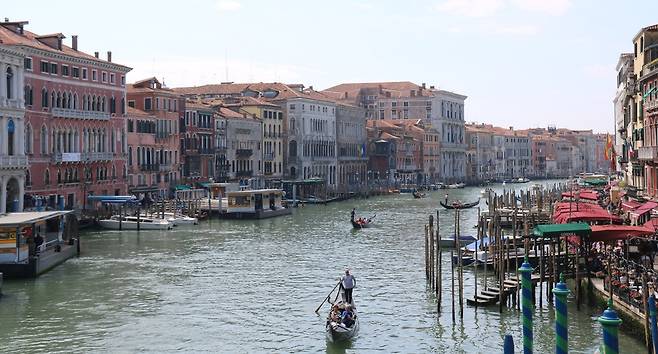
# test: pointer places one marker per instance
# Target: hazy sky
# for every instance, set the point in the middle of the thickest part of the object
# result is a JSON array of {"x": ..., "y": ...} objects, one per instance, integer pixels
[{"x": 520, "y": 62}]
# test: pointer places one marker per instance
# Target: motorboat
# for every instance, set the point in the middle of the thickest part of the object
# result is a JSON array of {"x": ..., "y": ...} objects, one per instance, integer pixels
[
  {"x": 175, "y": 219},
  {"x": 118, "y": 222}
]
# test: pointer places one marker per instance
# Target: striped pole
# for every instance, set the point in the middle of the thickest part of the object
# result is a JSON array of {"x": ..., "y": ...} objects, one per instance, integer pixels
[
  {"x": 654, "y": 326},
  {"x": 508, "y": 344},
  {"x": 561, "y": 330},
  {"x": 610, "y": 323},
  {"x": 526, "y": 305}
]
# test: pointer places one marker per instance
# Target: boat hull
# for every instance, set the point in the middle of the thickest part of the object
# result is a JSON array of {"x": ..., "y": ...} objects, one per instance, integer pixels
[
  {"x": 114, "y": 225},
  {"x": 338, "y": 333}
]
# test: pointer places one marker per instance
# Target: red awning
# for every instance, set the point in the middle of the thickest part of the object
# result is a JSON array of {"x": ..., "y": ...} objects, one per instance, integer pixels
[
  {"x": 652, "y": 224},
  {"x": 587, "y": 217},
  {"x": 619, "y": 232},
  {"x": 644, "y": 208},
  {"x": 629, "y": 205},
  {"x": 582, "y": 194}
]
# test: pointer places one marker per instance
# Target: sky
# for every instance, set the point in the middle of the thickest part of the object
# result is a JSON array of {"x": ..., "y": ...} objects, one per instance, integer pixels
[{"x": 522, "y": 63}]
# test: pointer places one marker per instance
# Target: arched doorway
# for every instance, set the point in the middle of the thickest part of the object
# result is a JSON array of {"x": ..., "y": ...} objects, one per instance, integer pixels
[{"x": 12, "y": 194}]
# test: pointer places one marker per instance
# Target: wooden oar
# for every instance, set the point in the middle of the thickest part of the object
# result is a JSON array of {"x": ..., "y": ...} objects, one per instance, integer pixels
[{"x": 327, "y": 297}]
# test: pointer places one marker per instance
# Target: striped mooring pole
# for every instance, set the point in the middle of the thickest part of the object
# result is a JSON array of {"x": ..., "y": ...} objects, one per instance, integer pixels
[
  {"x": 561, "y": 330},
  {"x": 610, "y": 323},
  {"x": 654, "y": 325},
  {"x": 526, "y": 305}
]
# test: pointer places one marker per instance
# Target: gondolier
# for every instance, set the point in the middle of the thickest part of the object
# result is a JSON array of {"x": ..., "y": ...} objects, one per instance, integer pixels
[{"x": 348, "y": 282}]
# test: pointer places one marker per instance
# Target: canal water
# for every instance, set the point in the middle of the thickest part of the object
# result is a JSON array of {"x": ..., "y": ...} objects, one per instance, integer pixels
[{"x": 252, "y": 287}]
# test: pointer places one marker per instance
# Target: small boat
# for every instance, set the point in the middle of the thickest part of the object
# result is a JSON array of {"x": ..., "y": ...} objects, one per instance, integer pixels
[
  {"x": 456, "y": 186},
  {"x": 459, "y": 205},
  {"x": 117, "y": 222},
  {"x": 418, "y": 195},
  {"x": 463, "y": 241},
  {"x": 175, "y": 219},
  {"x": 362, "y": 223},
  {"x": 339, "y": 332}
]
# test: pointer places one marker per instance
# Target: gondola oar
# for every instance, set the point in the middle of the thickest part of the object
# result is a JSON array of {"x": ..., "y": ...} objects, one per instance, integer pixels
[{"x": 327, "y": 297}]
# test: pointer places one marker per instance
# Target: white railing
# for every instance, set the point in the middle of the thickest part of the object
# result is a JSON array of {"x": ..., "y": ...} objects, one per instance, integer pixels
[
  {"x": 82, "y": 156},
  {"x": 13, "y": 161},
  {"x": 647, "y": 153},
  {"x": 78, "y": 114}
]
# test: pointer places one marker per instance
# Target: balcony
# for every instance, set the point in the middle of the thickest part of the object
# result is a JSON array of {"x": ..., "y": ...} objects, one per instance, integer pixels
[
  {"x": 648, "y": 153},
  {"x": 651, "y": 105},
  {"x": 268, "y": 156},
  {"x": 78, "y": 114},
  {"x": 243, "y": 152},
  {"x": 7, "y": 161},
  {"x": 163, "y": 135},
  {"x": 244, "y": 173},
  {"x": 60, "y": 157},
  {"x": 149, "y": 167},
  {"x": 165, "y": 168},
  {"x": 10, "y": 103},
  {"x": 206, "y": 151}
]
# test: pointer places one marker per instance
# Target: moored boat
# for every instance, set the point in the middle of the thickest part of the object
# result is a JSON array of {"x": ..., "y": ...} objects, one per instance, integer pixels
[
  {"x": 463, "y": 241},
  {"x": 117, "y": 222},
  {"x": 418, "y": 195},
  {"x": 456, "y": 186}
]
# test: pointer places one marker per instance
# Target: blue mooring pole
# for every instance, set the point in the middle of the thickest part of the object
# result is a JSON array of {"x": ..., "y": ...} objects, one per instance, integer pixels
[
  {"x": 654, "y": 325},
  {"x": 610, "y": 323},
  {"x": 508, "y": 344}
]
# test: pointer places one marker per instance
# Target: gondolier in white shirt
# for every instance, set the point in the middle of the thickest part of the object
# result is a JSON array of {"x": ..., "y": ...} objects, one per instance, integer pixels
[{"x": 348, "y": 282}]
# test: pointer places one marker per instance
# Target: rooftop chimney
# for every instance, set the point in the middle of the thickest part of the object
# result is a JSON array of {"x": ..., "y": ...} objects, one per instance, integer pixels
[
  {"x": 431, "y": 87},
  {"x": 423, "y": 85},
  {"x": 96, "y": 55},
  {"x": 109, "y": 57},
  {"x": 74, "y": 42}
]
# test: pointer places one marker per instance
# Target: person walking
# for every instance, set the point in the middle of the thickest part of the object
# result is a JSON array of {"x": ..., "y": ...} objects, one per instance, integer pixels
[{"x": 348, "y": 282}]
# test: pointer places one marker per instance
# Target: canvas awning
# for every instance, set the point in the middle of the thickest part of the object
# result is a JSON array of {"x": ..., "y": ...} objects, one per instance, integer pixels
[
  {"x": 556, "y": 230},
  {"x": 643, "y": 209},
  {"x": 583, "y": 194},
  {"x": 629, "y": 205},
  {"x": 29, "y": 217},
  {"x": 619, "y": 232}
]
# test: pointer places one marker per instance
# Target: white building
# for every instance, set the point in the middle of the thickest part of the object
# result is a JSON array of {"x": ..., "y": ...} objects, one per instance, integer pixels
[
  {"x": 623, "y": 105},
  {"x": 243, "y": 157},
  {"x": 13, "y": 162},
  {"x": 447, "y": 116}
]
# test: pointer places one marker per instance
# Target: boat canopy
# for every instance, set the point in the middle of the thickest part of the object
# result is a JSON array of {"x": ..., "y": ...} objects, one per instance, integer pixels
[
  {"x": 111, "y": 197},
  {"x": 29, "y": 217},
  {"x": 484, "y": 242},
  {"x": 557, "y": 230}
]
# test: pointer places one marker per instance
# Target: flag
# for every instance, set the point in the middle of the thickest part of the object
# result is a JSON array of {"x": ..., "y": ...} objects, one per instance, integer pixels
[{"x": 608, "y": 151}]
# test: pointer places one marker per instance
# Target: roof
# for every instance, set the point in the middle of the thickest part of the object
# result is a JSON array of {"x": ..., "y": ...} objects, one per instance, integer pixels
[
  {"x": 619, "y": 232},
  {"x": 393, "y": 88},
  {"x": 553, "y": 230},
  {"x": 134, "y": 112},
  {"x": 644, "y": 208},
  {"x": 29, "y": 39},
  {"x": 281, "y": 91},
  {"x": 28, "y": 217},
  {"x": 228, "y": 113}
]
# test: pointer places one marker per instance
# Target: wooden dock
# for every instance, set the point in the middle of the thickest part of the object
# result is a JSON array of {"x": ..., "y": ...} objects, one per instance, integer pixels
[{"x": 491, "y": 294}]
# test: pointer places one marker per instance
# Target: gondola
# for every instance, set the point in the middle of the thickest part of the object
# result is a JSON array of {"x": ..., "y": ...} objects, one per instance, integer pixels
[
  {"x": 459, "y": 206},
  {"x": 339, "y": 332},
  {"x": 361, "y": 225},
  {"x": 418, "y": 195}
]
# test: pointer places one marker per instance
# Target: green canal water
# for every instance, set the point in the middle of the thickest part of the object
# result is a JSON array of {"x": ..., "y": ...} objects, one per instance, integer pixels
[{"x": 253, "y": 286}]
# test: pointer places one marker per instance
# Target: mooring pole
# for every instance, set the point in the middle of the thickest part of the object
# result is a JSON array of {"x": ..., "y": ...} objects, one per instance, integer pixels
[
  {"x": 610, "y": 323},
  {"x": 526, "y": 305},
  {"x": 654, "y": 325},
  {"x": 508, "y": 344},
  {"x": 561, "y": 329}
]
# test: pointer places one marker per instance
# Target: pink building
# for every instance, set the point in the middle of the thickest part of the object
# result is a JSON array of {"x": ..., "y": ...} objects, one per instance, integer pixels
[
  {"x": 159, "y": 159},
  {"x": 75, "y": 117}
]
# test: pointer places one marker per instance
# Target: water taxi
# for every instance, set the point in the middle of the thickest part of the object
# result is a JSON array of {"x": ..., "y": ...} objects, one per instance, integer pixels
[
  {"x": 32, "y": 243},
  {"x": 118, "y": 222}
]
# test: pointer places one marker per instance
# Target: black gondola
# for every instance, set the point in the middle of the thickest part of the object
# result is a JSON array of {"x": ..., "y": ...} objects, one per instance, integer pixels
[
  {"x": 418, "y": 195},
  {"x": 459, "y": 206}
]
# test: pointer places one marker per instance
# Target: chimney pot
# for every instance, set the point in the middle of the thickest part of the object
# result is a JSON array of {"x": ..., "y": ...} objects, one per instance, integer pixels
[
  {"x": 109, "y": 57},
  {"x": 96, "y": 55},
  {"x": 74, "y": 42}
]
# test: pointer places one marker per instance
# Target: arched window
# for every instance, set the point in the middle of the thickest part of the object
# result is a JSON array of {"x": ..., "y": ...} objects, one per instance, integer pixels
[
  {"x": 44, "y": 97},
  {"x": 27, "y": 95},
  {"x": 59, "y": 176},
  {"x": 53, "y": 99},
  {"x": 113, "y": 105},
  {"x": 28, "y": 138},
  {"x": 59, "y": 100},
  {"x": 9, "y": 75},
  {"x": 44, "y": 140},
  {"x": 123, "y": 105},
  {"x": 69, "y": 98},
  {"x": 46, "y": 177},
  {"x": 75, "y": 101},
  {"x": 28, "y": 178},
  {"x": 10, "y": 137}
]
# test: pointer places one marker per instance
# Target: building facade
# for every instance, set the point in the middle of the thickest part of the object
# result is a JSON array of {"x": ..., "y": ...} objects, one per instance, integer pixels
[
  {"x": 646, "y": 71},
  {"x": 13, "y": 162},
  {"x": 623, "y": 106},
  {"x": 197, "y": 142},
  {"x": 351, "y": 141},
  {"x": 75, "y": 118},
  {"x": 168, "y": 108},
  {"x": 244, "y": 140}
]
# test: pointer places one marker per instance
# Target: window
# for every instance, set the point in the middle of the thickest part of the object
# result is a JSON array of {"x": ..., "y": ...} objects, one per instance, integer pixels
[
  {"x": 406, "y": 114},
  {"x": 94, "y": 75},
  {"x": 405, "y": 104},
  {"x": 104, "y": 76},
  {"x": 123, "y": 80},
  {"x": 53, "y": 68},
  {"x": 44, "y": 98},
  {"x": 147, "y": 104},
  {"x": 27, "y": 63},
  {"x": 292, "y": 107},
  {"x": 381, "y": 114},
  {"x": 45, "y": 67},
  {"x": 76, "y": 72},
  {"x": 112, "y": 78},
  {"x": 84, "y": 73},
  {"x": 131, "y": 103},
  {"x": 9, "y": 78},
  {"x": 28, "y": 96},
  {"x": 65, "y": 70},
  {"x": 394, "y": 104}
]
